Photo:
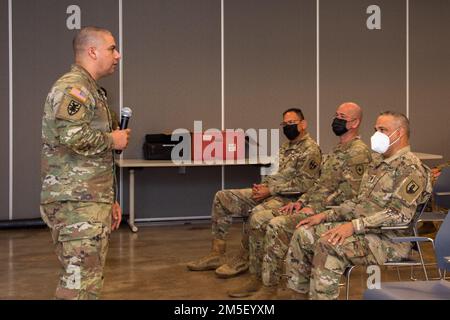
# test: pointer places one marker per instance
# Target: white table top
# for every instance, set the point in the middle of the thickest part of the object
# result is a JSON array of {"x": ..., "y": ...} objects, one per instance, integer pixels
[
  {"x": 428, "y": 156},
  {"x": 140, "y": 163}
]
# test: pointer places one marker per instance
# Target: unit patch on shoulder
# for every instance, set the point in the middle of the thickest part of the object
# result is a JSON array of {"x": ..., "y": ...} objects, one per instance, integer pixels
[
  {"x": 73, "y": 107},
  {"x": 311, "y": 166},
  {"x": 410, "y": 189},
  {"x": 70, "y": 109}
]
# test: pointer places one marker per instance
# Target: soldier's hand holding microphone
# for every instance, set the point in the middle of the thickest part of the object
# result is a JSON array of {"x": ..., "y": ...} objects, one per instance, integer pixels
[
  {"x": 121, "y": 136},
  {"x": 120, "y": 139}
]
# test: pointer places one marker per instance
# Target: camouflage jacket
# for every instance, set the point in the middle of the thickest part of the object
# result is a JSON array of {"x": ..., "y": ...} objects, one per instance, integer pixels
[
  {"x": 77, "y": 158},
  {"x": 340, "y": 177},
  {"x": 298, "y": 167},
  {"x": 390, "y": 192}
]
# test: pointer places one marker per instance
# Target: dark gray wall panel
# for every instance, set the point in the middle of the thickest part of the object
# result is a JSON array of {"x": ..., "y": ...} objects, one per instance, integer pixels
[
  {"x": 4, "y": 119},
  {"x": 361, "y": 65},
  {"x": 270, "y": 61},
  {"x": 42, "y": 52},
  {"x": 171, "y": 78},
  {"x": 430, "y": 76}
]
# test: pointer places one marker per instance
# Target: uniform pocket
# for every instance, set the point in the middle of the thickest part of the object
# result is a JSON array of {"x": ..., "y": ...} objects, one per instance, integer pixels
[{"x": 80, "y": 231}]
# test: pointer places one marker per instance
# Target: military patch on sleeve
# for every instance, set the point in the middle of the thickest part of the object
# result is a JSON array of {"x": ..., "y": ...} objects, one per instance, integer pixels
[
  {"x": 311, "y": 166},
  {"x": 70, "y": 109},
  {"x": 79, "y": 94},
  {"x": 410, "y": 189},
  {"x": 73, "y": 107}
]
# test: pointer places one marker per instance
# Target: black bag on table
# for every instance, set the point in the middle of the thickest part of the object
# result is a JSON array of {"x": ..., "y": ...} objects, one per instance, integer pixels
[{"x": 158, "y": 146}]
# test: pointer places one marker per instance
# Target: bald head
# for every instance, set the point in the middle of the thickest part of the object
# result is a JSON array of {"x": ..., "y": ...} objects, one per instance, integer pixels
[
  {"x": 351, "y": 109},
  {"x": 88, "y": 37}
]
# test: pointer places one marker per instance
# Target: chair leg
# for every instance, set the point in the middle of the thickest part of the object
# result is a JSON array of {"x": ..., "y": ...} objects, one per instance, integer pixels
[
  {"x": 348, "y": 273},
  {"x": 419, "y": 250},
  {"x": 398, "y": 274}
]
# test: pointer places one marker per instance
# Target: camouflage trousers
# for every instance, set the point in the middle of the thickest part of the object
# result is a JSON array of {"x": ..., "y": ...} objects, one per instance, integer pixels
[
  {"x": 80, "y": 232},
  {"x": 238, "y": 202},
  {"x": 314, "y": 265},
  {"x": 270, "y": 235}
]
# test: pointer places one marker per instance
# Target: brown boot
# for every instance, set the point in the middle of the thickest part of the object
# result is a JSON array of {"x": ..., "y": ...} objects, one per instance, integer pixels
[
  {"x": 251, "y": 286},
  {"x": 237, "y": 265},
  {"x": 284, "y": 293},
  {"x": 265, "y": 293},
  {"x": 211, "y": 261}
]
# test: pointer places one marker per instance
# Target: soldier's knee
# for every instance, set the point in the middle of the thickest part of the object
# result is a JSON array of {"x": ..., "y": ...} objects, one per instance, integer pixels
[
  {"x": 259, "y": 219},
  {"x": 305, "y": 235},
  {"x": 279, "y": 222},
  {"x": 84, "y": 242},
  {"x": 219, "y": 196}
]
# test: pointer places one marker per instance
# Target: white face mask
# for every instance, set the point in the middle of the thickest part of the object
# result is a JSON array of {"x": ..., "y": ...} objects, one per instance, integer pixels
[{"x": 380, "y": 142}]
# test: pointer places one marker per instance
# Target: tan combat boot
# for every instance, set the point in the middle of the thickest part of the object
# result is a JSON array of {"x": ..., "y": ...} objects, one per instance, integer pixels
[
  {"x": 237, "y": 265},
  {"x": 249, "y": 287},
  {"x": 211, "y": 261},
  {"x": 284, "y": 293},
  {"x": 265, "y": 293}
]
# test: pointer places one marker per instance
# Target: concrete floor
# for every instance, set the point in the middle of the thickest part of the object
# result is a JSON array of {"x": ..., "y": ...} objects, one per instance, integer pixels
[{"x": 150, "y": 264}]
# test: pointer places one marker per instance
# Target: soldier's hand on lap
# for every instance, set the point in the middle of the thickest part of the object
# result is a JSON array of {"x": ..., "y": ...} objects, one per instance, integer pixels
[
  {"x": 339, "y": 234},
  {"x": 261, "y": 193},
  {"x": 308, "y": 211},
  {"x": 311, "y": 221},
  {"x": 290, "y": 208}
]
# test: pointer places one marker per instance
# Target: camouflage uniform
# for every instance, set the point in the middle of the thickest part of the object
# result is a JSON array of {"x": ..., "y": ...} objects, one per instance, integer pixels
[
  {"x": 390, "y": 191},
  {"x": 298, "y": 168},
  {"x": 270, "y": 233},
  {"x": 78, "y": 181}
]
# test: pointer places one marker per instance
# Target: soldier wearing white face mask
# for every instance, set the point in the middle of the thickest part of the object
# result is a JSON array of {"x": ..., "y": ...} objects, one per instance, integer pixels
[{"x": 324, "y": 245}]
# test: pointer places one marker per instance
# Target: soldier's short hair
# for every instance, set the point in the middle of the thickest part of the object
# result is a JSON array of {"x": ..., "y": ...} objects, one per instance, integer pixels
[
  {"x": 404, "y": 122},
  {"x": 298, "y": 111},
  {"x": 86, "y": 36}
]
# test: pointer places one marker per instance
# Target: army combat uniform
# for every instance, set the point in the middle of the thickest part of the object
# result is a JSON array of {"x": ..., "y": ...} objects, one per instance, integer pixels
[
  {"x": 390, "y": 192},
  {"x": 78, "y": 181},
  {"x": 270, "y": 232},
  {"x": 298, "y": 168}
]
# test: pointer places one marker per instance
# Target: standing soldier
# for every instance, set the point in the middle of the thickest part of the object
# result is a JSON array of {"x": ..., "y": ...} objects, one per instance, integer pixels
[
  {"x": 351, "y": 234},
  {"x": 299, "y": 167},
  {"x": 270, "y": 232},
  {"x": 77, "y": 198}
]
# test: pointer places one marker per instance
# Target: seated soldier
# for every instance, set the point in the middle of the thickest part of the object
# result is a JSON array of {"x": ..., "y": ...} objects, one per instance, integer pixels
[
  {"x": 298, "y": 168},
  {"x": 271, "y": 231},
  {"x": 325, "y": 244}
]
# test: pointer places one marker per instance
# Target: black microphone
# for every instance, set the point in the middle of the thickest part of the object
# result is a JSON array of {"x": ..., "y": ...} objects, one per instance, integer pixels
[{"x": 125, "y": 116}]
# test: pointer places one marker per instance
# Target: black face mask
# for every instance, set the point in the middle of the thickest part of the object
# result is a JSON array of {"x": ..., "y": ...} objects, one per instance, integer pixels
[
  {"x": 339, "y": 126},
  {"x": 290, "y": 131}
]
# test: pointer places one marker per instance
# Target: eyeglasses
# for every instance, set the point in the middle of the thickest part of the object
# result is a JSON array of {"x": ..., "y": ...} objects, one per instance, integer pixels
[{"x": 291, "y": 122}]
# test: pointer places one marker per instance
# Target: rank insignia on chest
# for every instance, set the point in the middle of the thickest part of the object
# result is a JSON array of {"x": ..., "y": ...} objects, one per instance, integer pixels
[
  {"x": 73, "y": 107},
  {"x": 360, "y": 169}
]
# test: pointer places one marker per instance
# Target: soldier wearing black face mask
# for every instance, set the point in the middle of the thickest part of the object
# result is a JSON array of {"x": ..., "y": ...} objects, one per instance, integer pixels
[
  {"x": 298, "y": 169},
  {"x": 339, "y": 126}
]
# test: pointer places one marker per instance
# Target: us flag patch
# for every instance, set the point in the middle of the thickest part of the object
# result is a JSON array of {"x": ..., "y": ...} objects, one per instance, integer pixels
[{"x": 79, "y": 94}]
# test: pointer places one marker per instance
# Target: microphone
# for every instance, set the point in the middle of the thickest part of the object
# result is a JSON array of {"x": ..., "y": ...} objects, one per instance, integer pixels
[{"x": 125, "y": 116}]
